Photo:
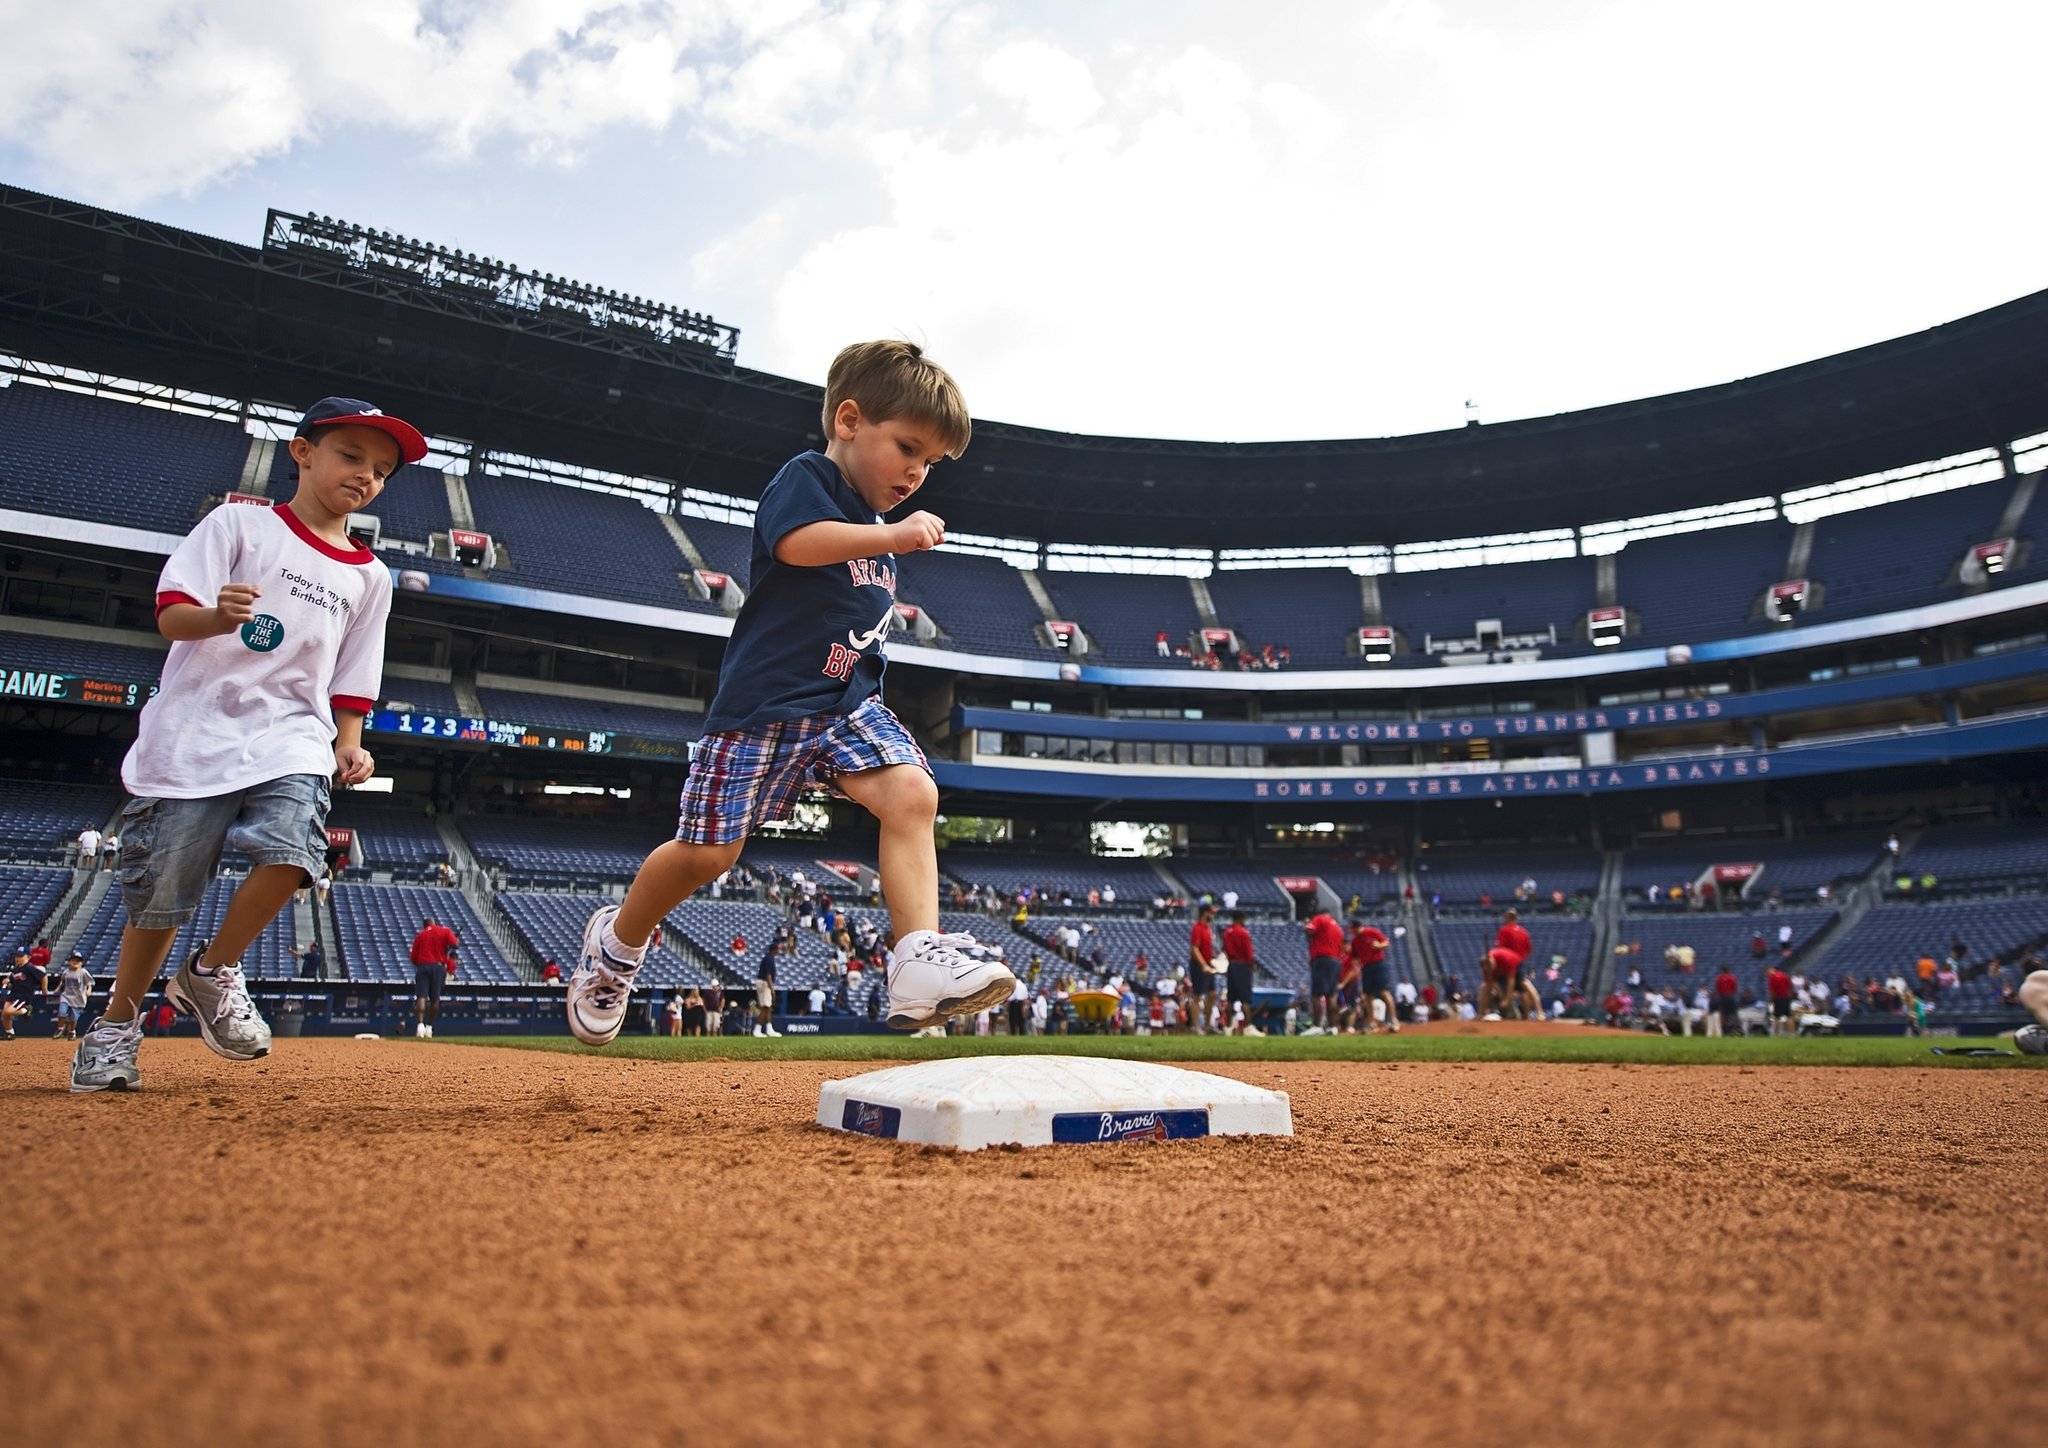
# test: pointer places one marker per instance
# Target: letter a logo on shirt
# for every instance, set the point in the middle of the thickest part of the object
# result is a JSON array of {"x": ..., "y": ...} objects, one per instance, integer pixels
[{"x": 262, "y": 633}]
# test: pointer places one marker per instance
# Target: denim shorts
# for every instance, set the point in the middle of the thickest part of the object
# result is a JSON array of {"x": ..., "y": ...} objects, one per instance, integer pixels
[
  {"x": 170, "y": 848},
  {"x": 743, "y": 778}
]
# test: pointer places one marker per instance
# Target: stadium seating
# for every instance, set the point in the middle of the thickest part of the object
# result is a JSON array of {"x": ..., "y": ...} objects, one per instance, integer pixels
[
  {"x": 41, "y": 653},
  {"x": 268, "y": 959},
  {"x": 728, "y": 548},
  {"x": 549, "y": 529},
  {"x": 1687, "y": 587},
  {"x": 1123, "y": 613},
  {"x": 376, "y": 925},
  {"x": 1794, "y": 868},
  {"x": 1476, "y": 876},
  {"x": 1872, "y": 560},
  {"x": 1254, "y": 884},
  {"x": 66, "y": 454},
  {"x": 395, "y": 837},
  {"x": 1891, "y": 939},
  {"x": 40, "y": 821},
  {"x": 27, "y": 897},
  {"x": 712, "y": 925},
  {"x": 1526, "y": 597},
  {"x": 559, "y": 854},
  {"x": 981, "y": 604},
  {"x": 412, "y": 507},
  {"x": 1135, "y": 880},
  {"x": 1313, "y": 611},
  {"x": 1460, "y": 944},
  {"x": 1349, "y": 878},
  {"x": 426, "y": 696},
  {"x": 1717, "y": 940},
  {"x": 552, "y": 928},
  {"x": 1960, "y": 856}
]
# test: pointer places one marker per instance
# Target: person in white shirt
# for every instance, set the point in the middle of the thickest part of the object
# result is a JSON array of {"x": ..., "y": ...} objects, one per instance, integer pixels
[
  {"x": 276, "y": 620},
  {"x": 89, "y": 848},
  {"x": 74, "y": 989}
]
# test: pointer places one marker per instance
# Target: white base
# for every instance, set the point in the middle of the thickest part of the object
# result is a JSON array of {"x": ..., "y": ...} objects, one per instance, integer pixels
[{"x": 970, "y": 1102}]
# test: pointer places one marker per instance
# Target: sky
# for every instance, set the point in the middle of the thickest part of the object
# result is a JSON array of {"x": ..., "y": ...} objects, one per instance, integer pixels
[{"x": 1203, "y": 219}]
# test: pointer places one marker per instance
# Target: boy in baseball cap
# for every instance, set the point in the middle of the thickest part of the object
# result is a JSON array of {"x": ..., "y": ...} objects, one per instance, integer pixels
[{"x": 276, "y": 622}]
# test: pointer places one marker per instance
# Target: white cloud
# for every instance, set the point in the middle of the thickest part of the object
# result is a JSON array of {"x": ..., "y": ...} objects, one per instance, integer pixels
[
  {"x": 1167, "y": 220},
  {"x": 147, "y": 97},
  {"x": 1056, "y": 89}
]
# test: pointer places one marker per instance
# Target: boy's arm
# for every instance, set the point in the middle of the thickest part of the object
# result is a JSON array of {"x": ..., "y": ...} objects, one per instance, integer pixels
[
  {"x": 187, "y": 622},
  {"x": 821, "y": 544},
  {"x": 352, "y": 763}
]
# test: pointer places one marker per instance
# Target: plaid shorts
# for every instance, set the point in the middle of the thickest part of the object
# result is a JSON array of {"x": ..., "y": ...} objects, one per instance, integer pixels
[{"x": 745, "y": 778}]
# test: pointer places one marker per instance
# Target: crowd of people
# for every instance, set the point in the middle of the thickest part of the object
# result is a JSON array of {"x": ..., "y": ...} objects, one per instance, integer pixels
[{"x": 1217, "y": 657}]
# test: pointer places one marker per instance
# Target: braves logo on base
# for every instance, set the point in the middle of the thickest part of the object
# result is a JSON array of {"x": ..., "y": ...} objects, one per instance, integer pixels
[
  {"x": 1087, "y": 1126},
  {"x": 870, "y": 1119}
]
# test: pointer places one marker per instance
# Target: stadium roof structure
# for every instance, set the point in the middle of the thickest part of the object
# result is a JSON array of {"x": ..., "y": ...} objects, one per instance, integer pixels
[{"x": 286, "y": 321}]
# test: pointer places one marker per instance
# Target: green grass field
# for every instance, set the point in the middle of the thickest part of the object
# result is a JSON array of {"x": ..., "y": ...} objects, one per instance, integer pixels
[{"x": 1598, "y": 1050}]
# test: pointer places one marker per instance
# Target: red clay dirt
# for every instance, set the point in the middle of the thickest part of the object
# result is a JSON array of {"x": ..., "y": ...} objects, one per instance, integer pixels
[{"x": 394, "y": 1243}]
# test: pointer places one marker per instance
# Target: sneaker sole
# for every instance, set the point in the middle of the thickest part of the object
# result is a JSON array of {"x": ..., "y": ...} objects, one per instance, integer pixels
[
  {"x": 995, "y": 993},
  {"x": 119, "y": 1083},
  {"x": 174, "y": 992}
]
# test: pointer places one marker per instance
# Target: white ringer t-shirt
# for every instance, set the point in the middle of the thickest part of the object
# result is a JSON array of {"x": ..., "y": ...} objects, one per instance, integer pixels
[{"x": 257, "y": 704}]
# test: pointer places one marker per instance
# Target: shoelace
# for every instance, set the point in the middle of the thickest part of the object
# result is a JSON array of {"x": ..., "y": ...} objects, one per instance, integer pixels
[
  {"x": 106, "y": 1037},
  {"x": 611, "y": 989},
  {"x": 234, "y": 994},
  {"x": 955, "y": 952}
]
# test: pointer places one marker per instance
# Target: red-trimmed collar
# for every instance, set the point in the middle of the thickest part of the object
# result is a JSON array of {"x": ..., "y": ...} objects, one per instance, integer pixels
[{"x": 357, "y": 556}]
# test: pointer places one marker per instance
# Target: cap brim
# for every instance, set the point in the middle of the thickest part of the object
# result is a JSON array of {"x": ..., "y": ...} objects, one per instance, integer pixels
[{"x": 412, "y": 445}]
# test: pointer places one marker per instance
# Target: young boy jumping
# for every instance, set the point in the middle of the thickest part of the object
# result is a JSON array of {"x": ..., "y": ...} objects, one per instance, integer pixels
[
  {"x": 276, "y": 621},
  {"x": 799, "y": 697}
]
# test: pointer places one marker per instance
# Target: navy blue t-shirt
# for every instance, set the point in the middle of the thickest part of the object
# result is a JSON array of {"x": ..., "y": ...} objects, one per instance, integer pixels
[{"x": 807, "y": 640}]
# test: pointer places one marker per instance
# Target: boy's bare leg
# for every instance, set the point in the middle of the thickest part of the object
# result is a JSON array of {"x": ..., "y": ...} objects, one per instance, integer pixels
[
  {"x": 904, "y": 800},
  {"x": 255, "y": 904},
  {"x": 671, "y": 874},
  {"x": 2033, "y": 995},
  {"x": 143, "y": 953}
]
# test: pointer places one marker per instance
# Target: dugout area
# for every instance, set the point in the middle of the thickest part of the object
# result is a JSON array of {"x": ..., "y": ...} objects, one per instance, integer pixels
[{"x": 420, "y": 1242}]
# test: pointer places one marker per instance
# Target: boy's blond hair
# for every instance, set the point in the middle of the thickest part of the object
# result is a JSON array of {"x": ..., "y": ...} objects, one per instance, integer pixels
[{"x": 895, "y": 379}]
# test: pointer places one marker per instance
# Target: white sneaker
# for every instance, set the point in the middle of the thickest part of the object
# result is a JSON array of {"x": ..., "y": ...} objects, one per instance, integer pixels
[
  {"x": 419, "y": 1031},
  {"x": 2033, "y": 1040},
  {"x": 430, "y": 1033},
  {"x": 105, "y": 1058},
  {"x": 770, "y": 1031},
  {"x": 228, "y": 1019},
  {"x": 601, "y": 986},
  {"x": 760, "y": 1031},
  {"x": 933, "y": 976}
]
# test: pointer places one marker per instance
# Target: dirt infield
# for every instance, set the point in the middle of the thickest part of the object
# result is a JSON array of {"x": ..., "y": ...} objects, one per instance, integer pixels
[{"x": 403, "y": 1242}]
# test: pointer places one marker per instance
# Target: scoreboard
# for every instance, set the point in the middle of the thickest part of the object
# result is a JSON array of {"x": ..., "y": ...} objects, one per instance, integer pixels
[
  {"x": 48, "y": 688},
  {"x": 469, "y": 729}
]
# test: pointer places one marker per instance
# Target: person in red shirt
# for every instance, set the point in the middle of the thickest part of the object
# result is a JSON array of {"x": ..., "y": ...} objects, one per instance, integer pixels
[
  {"x": 1725, "y": 1019},
  {"x": 1201, "y": 973},
  {"x": 1366, "y": 957},
  {"x": 429, "y": 973},
  {"x": 1517, "y": 992},
  {"x": 1325, "y": 960},
  {"x": 1237, "y": 993},
  {"x": 1778, "y": 986}
]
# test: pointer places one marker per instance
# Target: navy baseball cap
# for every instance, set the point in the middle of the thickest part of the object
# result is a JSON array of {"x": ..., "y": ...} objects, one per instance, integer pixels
[{"x": 330, "y": 411}]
